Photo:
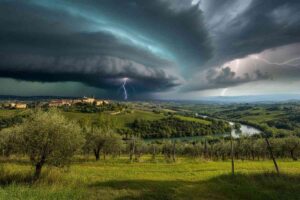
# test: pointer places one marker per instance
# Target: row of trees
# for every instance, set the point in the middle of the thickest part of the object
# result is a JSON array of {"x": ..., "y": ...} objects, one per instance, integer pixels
[
  {"x": 93, "y": 108},
  {"x": 48, "y": 138},
  {"x": 244, "y": 148},
  {"x": 45, "y": 137},
  {"x": 174, "y": 127},
  {"x": 10, "y": 121},
  {"x": 217, "y": 149},
  {"x": 283, "y": 124}
]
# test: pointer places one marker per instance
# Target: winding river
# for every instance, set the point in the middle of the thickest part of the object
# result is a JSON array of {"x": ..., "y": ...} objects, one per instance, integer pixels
[{"x": 245, "y": 130}]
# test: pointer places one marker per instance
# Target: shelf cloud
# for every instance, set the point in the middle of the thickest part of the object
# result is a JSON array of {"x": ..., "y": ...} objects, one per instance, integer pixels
[{"x": 160, "y": 45}]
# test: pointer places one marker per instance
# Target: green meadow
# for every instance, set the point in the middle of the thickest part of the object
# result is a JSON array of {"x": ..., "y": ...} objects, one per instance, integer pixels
[
  {"x": 121, "y": 119},
  {"x": 202, "y": 121},
  {"x": 11, "y": 113},
  {"x": 117, "y": 178}
]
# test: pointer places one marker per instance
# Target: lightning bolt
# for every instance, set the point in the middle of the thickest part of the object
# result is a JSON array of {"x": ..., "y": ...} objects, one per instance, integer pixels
[
  {"x": 124, "y": 88},
  {"x": 236, "y": 68},
  {"x": 224, "y": 92},
  {"x": 285, "y": 63},
  {"x": 237, "y": 65}
]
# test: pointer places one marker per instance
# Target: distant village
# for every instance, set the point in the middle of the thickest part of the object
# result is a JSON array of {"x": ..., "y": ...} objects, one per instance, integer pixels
[{"x": 57, "y": 103}]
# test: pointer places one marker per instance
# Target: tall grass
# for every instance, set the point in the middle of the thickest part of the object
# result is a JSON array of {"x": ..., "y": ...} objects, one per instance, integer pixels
[{"x": 117, "y": 178}]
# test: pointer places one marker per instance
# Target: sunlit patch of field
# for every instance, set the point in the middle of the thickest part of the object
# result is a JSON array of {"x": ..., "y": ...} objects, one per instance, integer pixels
[
  {"x": 120, "y": 119},
  {"x": 116, "y": 178},
  {"x": 202, "y": 121},
  {"x": 4, "y": 113}
]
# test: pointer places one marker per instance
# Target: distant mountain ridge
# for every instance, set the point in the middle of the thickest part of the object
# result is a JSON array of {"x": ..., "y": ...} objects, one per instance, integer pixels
[
  {"x": 212, "y": 99},
  {"x": 32, "y": 98},
  {"x": 254, "y": 98}
]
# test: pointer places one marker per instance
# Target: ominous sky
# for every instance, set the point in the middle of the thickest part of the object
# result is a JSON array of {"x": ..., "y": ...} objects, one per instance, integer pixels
[{"x": 164, "y": 49}]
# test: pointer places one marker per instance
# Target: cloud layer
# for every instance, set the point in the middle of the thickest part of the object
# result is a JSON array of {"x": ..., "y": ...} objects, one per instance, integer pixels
[
  {"x": 160, "y": 45},
  {"x": 225, "y": 77}
]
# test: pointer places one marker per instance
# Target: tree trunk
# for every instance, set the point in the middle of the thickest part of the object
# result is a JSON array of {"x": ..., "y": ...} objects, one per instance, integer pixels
[
  {"x": 154, "y": 153},
  {"x": 132, "y": 149},
  {"x": 97, "y": 154},
  {"x": 38, "y": 168},
  {"x": 232, "y": 156},
  {"x": 293, "y": 155},
  {"x": 272, "y": 155},
  {"x": 205, "y": 149},
  {"x": 137, "y": 156},
  {"x": 174, "y": 152}
]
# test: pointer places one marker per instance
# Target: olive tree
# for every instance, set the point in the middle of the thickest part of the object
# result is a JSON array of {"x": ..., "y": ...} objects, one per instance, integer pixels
[
  {"x": 99, "y": 135},
  {"x": 168, "y": 150},
  {"x": 113, "y": 144},
  {"x": 266, "y": 135},
  {"x": 136, "y": 147},
  {"x": 9, "y": 141},
  {"x": 49, "y": 138},
  {"x": 103, "y": 140},
  {"x": 292, "y": 144},
  {"x": 95, "y": 140}
]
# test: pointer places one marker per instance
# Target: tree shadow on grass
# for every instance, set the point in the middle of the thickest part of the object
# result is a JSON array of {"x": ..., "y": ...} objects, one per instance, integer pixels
[
  {"x": 14, "y": 161},
  {"x": 16, "y": 178},
  {"x": 241, "y": 186},
  {"x": 49, "y": 176}
]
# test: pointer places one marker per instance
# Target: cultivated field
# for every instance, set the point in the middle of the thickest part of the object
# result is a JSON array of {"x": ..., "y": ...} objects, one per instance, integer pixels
[
  {"x": 150, "y": 152},
  {"x": 185, "y": 179}
]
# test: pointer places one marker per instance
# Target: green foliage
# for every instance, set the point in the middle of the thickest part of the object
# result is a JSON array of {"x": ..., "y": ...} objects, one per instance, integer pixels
[
  {"x": 100, "y": 137},
  {"x": 113, "y": 144},
  {"x": 191, "y": 179},
  {"x": 186, "y": 118},
  {"x": 120, "y": 120},
  {"x": 6, "y": 122},
  {"x": 92, "y": 108},
  {"x": 175, "y": 127},
  {"x": 292, "y": 145},
  {"x": 10, "y": 140},
  {"x": 48, "y": 138},
  {"x": 245, "y": 148}
]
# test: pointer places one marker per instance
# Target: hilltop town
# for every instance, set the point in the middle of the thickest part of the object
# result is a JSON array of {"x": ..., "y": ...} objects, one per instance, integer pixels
[
  {"x": 14, "y": 104},
  {"x": 69, "y": 102}
]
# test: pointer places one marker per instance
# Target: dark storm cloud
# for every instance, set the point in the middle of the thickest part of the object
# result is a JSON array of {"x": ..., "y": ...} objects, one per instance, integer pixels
[
  {"x": 47, "y": 41},
  {"x": 158, "y": 44},
  {"x": 76, "y": 45},
  {"x": 225, "y": 77},
  {"x": 259, "y": 26},
  {"x": 239, "y": 28},
  {"x": 181, "y": 31},
  {"x": 37, "y": 30},
  {"x": 98, "y": 71}
]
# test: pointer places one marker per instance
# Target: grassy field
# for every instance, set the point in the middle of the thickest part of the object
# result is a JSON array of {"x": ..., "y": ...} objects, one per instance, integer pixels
[
  {"x": 121, "y": 119},
  {"x": 185, "y": 179},
  {"x": 278, "y": 118},
  {"x": 202, "y": 121},
  {"x": 10, "y": 113}
]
